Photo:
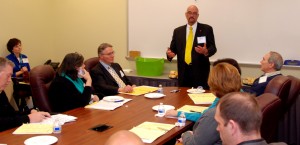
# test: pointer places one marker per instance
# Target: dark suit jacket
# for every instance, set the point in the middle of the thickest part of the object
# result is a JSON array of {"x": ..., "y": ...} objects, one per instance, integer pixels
[
  {"x": 200, "y": 64},
  {"x": 9, "y": 118},
  {"x": 103, "y": 82},
  {"x": 259, "y": 88}
]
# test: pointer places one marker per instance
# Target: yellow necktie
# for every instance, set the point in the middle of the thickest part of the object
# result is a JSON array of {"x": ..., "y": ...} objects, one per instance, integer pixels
[
  {"x": 188, "y": 47},
  {"x": 116, "y": 77}
]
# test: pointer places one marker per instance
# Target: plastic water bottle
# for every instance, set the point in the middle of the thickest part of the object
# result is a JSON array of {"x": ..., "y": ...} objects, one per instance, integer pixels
[
  {"x": 160, "y": 89},
  {"x": 181, "y": 119},
  {"x": 161, "y": 109},
  {"x": 56, "y": 127}
]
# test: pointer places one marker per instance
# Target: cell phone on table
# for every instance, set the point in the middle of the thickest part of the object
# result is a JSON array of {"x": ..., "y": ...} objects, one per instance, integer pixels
[{"x": 101, "y": 127}]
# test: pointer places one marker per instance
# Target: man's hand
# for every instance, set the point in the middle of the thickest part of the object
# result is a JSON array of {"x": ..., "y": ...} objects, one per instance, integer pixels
[
  {"x": 126, "y": 89},
  {"x": 170, "y": 54},
  {"x": 202, "y": 50},
  {"x": 38, "y": 116}
]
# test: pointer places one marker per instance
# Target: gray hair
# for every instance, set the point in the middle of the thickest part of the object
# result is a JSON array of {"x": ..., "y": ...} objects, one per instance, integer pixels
[
  {"x": 4, "y": 62},
  {"x": 102, "y": 47},
  {"x": 276, "y": 58}
]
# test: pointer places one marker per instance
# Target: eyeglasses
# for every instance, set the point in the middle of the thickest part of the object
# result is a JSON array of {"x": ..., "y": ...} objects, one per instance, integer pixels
[
  {"x": 109, "y": 54},
  {"x": 192, "y": 13}
]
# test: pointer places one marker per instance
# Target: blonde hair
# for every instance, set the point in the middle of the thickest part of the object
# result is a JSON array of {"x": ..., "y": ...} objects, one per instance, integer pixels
[{"x": 224, "y": 78}]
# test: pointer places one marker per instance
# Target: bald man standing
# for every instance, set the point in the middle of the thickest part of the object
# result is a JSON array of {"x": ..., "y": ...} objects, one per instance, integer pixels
[{"x": 193, "y": 44}]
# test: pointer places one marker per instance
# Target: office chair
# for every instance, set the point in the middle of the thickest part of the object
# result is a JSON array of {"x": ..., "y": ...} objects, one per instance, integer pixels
[
  {"x": 289, "y": 125},
  {"x": 90, "y": 63},
  {"x": 40, "y": 79},
  {"x": 279, "y": 86},
  {"x": 271, "y": 108}
]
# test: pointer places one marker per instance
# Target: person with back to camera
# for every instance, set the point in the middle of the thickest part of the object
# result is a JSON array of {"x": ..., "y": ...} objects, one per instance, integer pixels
[
  {"x": 71, "y": 87},
  {"x": 193, "y": 44},
  {"x": 14, "y": 46},
  {"x": 108, "y": 76},
  {"x": 239, "y": 120},
  {"x": 223, "y": 78},
  {"x": 194, "y": 116},
  {"x": 271, "y": 65},
  {"x": 124, "y": 137},
  {"x": 9, "y": 118}
]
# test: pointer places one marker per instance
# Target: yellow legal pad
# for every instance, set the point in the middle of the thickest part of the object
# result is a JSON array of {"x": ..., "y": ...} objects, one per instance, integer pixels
[
  {"x": 34, "y": 128},
  {"x": 204, "y": 98},
  {"x": 140, "y": 90},
  {"x": 191, "y": 108},
  {"x": 150, "y": 131}
]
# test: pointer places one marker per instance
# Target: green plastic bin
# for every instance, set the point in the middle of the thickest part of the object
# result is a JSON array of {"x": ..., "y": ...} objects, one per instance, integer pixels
[{"x": 149, "y": 66}]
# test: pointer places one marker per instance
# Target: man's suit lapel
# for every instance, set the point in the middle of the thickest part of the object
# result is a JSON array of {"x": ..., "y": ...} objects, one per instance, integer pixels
[
  {"x": 106, "y": 73},
  {"x": 197, "y": 34}
]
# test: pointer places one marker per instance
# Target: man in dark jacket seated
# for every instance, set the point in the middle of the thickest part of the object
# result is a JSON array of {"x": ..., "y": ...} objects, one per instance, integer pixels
[
  {"x": 108, "y": 76},
  {"x": 9, "y": 118},
  {"x": 271, "y": 65}
]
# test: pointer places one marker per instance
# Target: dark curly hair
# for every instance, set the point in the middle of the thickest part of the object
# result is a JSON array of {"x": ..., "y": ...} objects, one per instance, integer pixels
[{"x": 12, "y": 43}]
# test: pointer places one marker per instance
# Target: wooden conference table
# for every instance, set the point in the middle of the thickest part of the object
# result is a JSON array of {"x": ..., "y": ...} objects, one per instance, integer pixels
[{"x": 125, "y": 117}]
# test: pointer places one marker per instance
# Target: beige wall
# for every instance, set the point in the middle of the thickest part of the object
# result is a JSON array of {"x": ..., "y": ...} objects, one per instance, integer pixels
[{"x": 49, "y": 29}]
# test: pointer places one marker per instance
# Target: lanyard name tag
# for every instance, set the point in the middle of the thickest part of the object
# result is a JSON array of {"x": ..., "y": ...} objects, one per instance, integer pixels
[
  {"x": 262, "y": 79},
  {"x": 25, "y": 60}
]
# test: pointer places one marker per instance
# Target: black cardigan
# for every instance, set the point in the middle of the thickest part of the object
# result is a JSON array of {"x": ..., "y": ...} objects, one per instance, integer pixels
[{"x": 64, "y": 96}]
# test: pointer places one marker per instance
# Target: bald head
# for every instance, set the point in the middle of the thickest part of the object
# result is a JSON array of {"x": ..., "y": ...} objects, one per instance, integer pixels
[
  {"x": 192, "y": 14},
  {"x": 124, "y": 137}
]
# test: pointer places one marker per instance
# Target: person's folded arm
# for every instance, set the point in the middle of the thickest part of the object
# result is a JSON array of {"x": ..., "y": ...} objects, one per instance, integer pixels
[{"x": 204, "y": 131}]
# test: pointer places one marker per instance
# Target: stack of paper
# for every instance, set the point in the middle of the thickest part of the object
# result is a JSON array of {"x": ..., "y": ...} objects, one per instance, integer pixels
[
  {"x": 150, "y": 131},
  {"x": 205, "y": 98},
  {"x": 44, "y": 127},
  {"x": 191, "y": 108},
  {"x": 104, "y": 105},
  {"x": 34, "y": 128},
  {"x": 61, "y": 118},
  {"x": 140, "y": 90}
]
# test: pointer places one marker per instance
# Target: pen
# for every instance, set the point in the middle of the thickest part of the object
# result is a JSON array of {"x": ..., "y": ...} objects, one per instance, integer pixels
[
  {"x": 174, "y": 91},
  {"x": 164, "y": 129},
  {"x": 195, "y": 111}
]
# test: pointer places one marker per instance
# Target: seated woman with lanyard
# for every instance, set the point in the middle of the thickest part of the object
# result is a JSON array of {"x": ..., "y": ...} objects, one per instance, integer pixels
[
  {"x": 20, "y": 73},
  {"x": 14, "y": 46}
]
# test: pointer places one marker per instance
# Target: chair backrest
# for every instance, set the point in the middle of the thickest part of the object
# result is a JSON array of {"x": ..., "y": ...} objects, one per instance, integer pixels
[
  {"x": 40, "y": 79},
  {"x": 90, "y": 63},
  {"x": 271, "y": 109},
  {"x": 279, "y": 86},
  {"x": 289, "y": 125},
  {"x": 294, "y": 91}
]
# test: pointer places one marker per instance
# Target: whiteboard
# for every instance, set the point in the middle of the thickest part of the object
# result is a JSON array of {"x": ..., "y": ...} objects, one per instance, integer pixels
[{"x": 244, "y": 29}]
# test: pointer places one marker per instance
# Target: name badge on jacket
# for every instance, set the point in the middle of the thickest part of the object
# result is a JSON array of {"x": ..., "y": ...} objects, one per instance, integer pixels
[
  {"x": 122, "y": 74},
  {"x": 201, "y": 40},
  {"x": 25, "y": 60},
  {"x": 262, "y": 79}
]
